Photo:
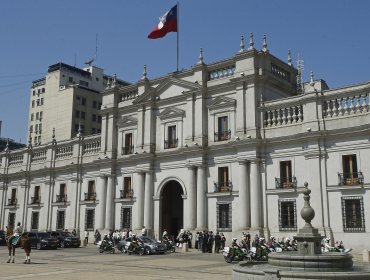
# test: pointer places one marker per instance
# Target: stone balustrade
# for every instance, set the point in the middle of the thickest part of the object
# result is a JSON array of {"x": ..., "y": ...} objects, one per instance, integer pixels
[
  {"x": 221, "y": 72},
  {"x": 16, "y": 159},
  {"x": 283, "y": 116},
  {"x": 129, "y": 95},
  {"x": 92, "y": 146},
  {"x": 64, "y": 152},
  {"x": 345, "y": 104},
  {"x": 38, "y": 155}
]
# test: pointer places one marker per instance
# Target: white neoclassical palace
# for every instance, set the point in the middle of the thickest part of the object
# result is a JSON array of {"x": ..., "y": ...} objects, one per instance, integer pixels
[{"x": 225, "y": 146}]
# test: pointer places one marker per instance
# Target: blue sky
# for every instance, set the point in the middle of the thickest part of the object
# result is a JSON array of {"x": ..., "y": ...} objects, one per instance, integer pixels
[{"x": 332, "y": 37}]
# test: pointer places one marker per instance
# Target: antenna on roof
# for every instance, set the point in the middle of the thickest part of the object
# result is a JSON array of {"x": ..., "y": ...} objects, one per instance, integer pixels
[
  {"x": 96, "y": 47},
  {"x": 300, "y": 68}
]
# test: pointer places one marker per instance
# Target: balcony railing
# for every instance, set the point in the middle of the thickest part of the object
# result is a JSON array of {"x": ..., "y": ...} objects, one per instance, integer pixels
[
  {"x": 127, "y": 150},
  {"x": 61, "y": 198},
  {"x": 90, "y": 196},
  {"x": 12, "y": 201},
  {"x": 286, "y": 182},
  {"x": 126, "y": 193},
  {"x": 354, "y": 178},
  {"x": 223, "y": 186},
  {"x": 170, "y": 144},
  {"x": 35, "y": 199},
  {"x": 222, "y": 135}
]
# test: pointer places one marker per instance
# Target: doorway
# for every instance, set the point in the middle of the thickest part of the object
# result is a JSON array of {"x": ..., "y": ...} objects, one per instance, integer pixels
[{"x": 172, "y": 208}]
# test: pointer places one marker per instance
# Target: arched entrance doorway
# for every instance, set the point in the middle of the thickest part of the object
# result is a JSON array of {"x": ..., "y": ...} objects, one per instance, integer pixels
[{"x": 172, "y": 208}]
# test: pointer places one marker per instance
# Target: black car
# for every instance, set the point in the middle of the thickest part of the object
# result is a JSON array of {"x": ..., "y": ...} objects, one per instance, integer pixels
[
  {"x": 66, "y": 239},
  {"x": 150, "y": 245},
  {"x": 42, "y": 240},
  {"x": 2, "y": 237}
]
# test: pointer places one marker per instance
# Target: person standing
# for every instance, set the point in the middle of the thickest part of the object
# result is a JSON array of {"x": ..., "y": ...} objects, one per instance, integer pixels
[
  {"x": 97, "y": 236},
  {"x": 205, "y": 237},
  {"x": 223, "y": 241},
  {"x": 143, "y": 231},
  {"x": 86, "y": 237},
  {"x": 217, "y": 242}
]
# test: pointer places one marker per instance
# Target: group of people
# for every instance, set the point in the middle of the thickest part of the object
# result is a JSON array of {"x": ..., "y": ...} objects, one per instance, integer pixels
[
  {"x": 117, "y": 235},
  {"x": 206, "y": 240}
]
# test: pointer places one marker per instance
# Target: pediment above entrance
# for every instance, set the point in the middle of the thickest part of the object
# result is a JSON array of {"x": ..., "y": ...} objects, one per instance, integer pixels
[
  {"x": 222, "y": 103},
  {"x": 126, "y": 121},
  {"x": 168, "y": 88}
]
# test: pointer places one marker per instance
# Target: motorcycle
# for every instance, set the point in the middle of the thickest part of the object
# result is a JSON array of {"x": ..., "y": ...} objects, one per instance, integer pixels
[
  {"x": 106, "y": 246},
  {"x": 170, "y": 246},
  {"x": 135, "y": 248},
  {"x": 259, "y": 253},
  {"x": 239, "y": 254},
  {"x": 339, "y": 248}
]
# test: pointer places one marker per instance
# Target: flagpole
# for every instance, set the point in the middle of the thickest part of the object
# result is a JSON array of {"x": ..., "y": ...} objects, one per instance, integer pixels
[{"x": 178, "y": 31}]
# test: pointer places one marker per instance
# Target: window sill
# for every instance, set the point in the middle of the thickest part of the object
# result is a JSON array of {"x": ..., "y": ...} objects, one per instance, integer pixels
[
  {"x": 223, "y": 194},
  {"x": 128, "y": 199},
  {"x": 86, "y": 202}
]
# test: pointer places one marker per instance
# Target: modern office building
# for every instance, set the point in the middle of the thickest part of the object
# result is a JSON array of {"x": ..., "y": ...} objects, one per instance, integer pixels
[
  {"x": 66, "y": 99},
  {"x": 225, "y": 146}
]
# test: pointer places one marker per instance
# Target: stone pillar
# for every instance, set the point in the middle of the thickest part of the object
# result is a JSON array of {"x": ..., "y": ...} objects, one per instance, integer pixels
[
  {"x": 109, "y": 215},
  {"x": 201, "y": 198},
  {"x": 192, "y": 199},
  {"x": 148, "y": 202},
  {"x": 101, "y": 192},
  {"x": 139, "y": 191},
  {"x": 255, "y": 198},
  {"x": 244, "y": 196}
]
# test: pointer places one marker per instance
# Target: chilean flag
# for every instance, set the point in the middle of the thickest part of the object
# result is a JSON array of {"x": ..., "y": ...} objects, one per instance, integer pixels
[{"x": 167, "y": 23}]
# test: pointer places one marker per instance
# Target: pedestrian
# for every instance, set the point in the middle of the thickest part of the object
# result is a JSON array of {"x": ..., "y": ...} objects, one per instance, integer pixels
[
  {"x": 144, "y": 231},
  {"x": 74, "y": 232},
  {"x": 223, "y": 241},
  {"x": 210, "y": 242},
  {"x": 97, "y": 236},
  {"x": 86, "y": 237},
  {"x": 205, "y": 237},
  {"x": 217, "y": 242},
  {"x": 190, "y": 238}
]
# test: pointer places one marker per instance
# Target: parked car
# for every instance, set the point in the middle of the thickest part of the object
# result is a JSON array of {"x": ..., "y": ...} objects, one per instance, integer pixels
[
  {"x": 42, "y": 240},
  {"x": 66, "y": 239},
  {"x": 150, "y": 245},
  {"x": 2, "y": 237}
]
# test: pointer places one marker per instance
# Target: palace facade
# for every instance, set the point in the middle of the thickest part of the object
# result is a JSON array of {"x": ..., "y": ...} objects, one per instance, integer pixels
[{"x": 225, "y": 146}]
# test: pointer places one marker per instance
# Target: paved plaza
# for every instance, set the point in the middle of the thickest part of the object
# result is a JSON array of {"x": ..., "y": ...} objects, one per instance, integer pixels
[{"x": 87, "y": 263}]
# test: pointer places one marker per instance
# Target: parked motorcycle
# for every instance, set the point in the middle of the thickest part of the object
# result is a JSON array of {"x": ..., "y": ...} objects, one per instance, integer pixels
[
  {"x": 239, "y": 254},
  {"x": 339, "y": 248},
  {"x": 259, "y": 253},
  {"x": 106, "y": 246},
  {"x": 170, "y": 246},
  {"x": 135, "y": 248}
]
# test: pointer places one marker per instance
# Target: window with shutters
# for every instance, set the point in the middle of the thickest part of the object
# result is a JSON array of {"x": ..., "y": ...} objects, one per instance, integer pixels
[
  {"x": 353, "y": 214},
  {"x": 35, "y": 215},
  {"x": 126, "y": 218},
  {"x": 287, "y": 215},
  {"x": 60, "y": 220},
  {"x": 89, "y": 219},
  {"x": 224, "y": 217}
]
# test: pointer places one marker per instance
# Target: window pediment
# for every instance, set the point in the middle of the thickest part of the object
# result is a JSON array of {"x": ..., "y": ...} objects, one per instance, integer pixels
[
  {"x": 127, "y": 121},
  {"x": 222, "y": 103},
  {"x": 171, "y": 114}
]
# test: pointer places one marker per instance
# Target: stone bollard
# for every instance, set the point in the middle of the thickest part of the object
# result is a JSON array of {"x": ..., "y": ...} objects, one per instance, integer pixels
[
  {"x": 366, "y": 255},
  {"x": 185, "y": 247}
]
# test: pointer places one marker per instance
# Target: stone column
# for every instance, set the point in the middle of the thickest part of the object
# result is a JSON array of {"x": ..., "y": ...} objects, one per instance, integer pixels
[
  {"x": 201, "y": 198},
  {"x": 256, "y": 199},
  {"x": 148, "y": 201},
  {"x": 244, "y": 196},
  {"x": 192, "y": 199},
  {"x": 139, "y": 191},
  {"x": 101, "y": 192},
  {"x": 109, "y": 216}
]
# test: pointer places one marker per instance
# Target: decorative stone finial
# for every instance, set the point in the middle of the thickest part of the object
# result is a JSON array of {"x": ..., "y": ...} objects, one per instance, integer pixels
[
  {"x": 307, "y": 212},
  {"x": 144, "y": 77},
  {"x": 79, "y": 133},
  {"x": 251, "y": 43},
  {"x": 108, "y": 82},
  {"x": 241, "y": 44},
  {"x": 114, "y": 81},
  {"x": 264, "y": 46},
  {"x": 289, "y": 58},
  {"x": 200, "y": 61},
  {"x": 312, "y": 82}
]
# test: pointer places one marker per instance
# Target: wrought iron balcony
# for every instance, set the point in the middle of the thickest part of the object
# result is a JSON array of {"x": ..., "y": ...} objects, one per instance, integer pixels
[
  {"x": 222, "y": 135},
  {"x": 223, "y": 186},
  {"x": 12, "y": 201},
  {"x": 127, "y": 150},
  {"x": 35, "y": 199},
  {"x": 126, "y": 193},
  {"x": 286, "y": 182},
  {"x": 170, "y": 144},
  {"x": 354, "y": 178},
  {"x": 90, "y": 196},
  {"x": 61, "y": 198}
]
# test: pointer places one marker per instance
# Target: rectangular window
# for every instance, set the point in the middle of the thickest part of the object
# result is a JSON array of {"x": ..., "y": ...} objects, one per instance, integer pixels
[
  {"x": 91, "y": 194},
  {"x": 89, "y": 219},
  {"x": 93, "y": 130},
  {"x": 128, "y": 148},
  {"x": 62, "y": 196},
  {"x": 37, "y": 116},
  {"x": 99, "y": 119},
  {"x": 60, "y": 219},
  {"x": 84, "y": 83},
  {"x": 126, "y": 218},
  {"x": 78, "y": 100},
  {"x": 223, "y": 179},
  {"x": 43, "y": 90},
  {"x": 38, "y": 102},
  {"x": 40, "y": 115},
  {"x": 353, "y": 214},
  {"x": 11, "y": 219},
  {"x": 40, "y": 127},
  {"x": 224, "y": 216},
  {"x": 33, "y": 103},
  {"x": 70, "y": 79},
  {"x": 32, "y": 117},
  {"x": 31, "y": 128},
  {"x": 13, "y": 198},
  {"x": 171, "y": 137},
  {"x": 36, "y": 199},
  {"x": 223, "y": 132},
  {"x": 35, "y": 215},
  {"x": 95, "y": 104},
  {"x": 83, "y": 101},
  {"x": 42, "y": 101},
  {"x": 286, "y": 179},
  {"x": 33, "y": 93},
  {"x": 350, "y": 175},
  {"x": 77, "y": 114},
  {"x": 287, "y": 215},
  {"x": 127, "y": 188}
]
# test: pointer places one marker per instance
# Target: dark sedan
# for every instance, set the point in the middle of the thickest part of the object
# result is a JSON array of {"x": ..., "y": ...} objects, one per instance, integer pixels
[
  {"x": 2, "y": 237},
  {"x": 150, "y": 245},
  {"x": 42, "y": 240},
  {"x": 66, "y": 239}
]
